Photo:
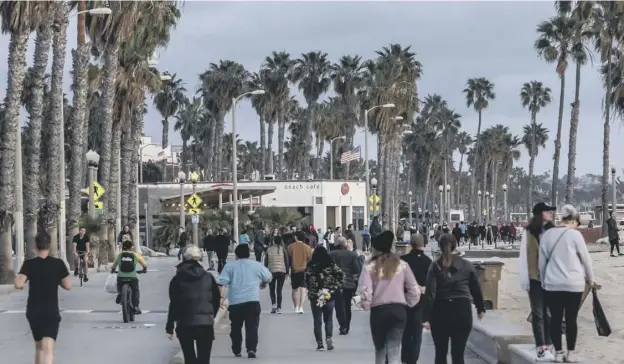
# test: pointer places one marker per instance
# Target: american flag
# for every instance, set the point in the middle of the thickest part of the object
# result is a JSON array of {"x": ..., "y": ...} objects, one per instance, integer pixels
[{"x": 349, "y": 156}]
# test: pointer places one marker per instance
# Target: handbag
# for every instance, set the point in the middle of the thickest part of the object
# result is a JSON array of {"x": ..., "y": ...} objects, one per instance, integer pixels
[{"x": 600, "y": 319}]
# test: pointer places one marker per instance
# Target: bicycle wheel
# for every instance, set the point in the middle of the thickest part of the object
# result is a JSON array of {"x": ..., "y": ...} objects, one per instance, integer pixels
[
  {"x": 126, "y": 303},
  {"x": 80, "y": 270}
]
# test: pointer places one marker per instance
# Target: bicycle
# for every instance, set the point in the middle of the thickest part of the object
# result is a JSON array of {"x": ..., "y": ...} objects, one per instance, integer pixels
[
  {"x": 81, "y": 267},
  {"x": 127, "y": 308}
]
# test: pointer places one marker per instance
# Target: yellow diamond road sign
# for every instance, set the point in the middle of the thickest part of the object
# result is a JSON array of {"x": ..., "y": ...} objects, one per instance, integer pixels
[
  {"x": 374, "y": 198},
  {"x": 194, "y": 211},
  {"x": 377, "y": 208},
  {"x": 195, "y": 201},
  {"x": 98, "y": 190},
  {"x": 99, "y": 205}
]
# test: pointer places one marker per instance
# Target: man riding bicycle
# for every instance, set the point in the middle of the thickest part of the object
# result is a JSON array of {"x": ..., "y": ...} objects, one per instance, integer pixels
[
  {"x": 127, "y": 273},
  {"x": 82, "y": 249}
]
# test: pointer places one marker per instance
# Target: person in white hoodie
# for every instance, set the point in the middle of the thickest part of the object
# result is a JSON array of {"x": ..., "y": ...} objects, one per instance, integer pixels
[{"x": 565, "y": 267}]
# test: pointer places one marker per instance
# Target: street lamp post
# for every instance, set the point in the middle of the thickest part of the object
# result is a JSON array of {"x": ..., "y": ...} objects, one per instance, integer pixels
[
  {"x": 486, "y": 203},
  {"x": 505, "y": 203},
  {"x": 93, "y": 160},
  {"x": 194, "y": 179},
  {"x": 410, "y": 208},
  {"x": 374, "y": 189},
  {"x": 182, "y": 179},
  {"x": 331, "y": 156},
  {"x": 448, "y": 202},
  {"x": 441, "y": 207},
  {"x": 235, "y": 162},
  {"x": 367, "y": 171},
  {"x": 479, "y": 206},
  {"x": 613, "y": 191}
]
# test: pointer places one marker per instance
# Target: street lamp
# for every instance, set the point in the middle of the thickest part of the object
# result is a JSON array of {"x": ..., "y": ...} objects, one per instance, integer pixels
[
  {"x": 441, "y": 208},
  {"x": 410, "y": 208},
  {"x": 447, "y": 206},
  {"x": 374, "y": 188},
  {"x": 486, "y": 204},
  {"x": 331, "y": 156},
  {"x": 367, "y": 173},
  {"x": 505, "y": 202},
  {"x": 479, "y": 214},
  {"x": 93, "y": 160},
  {"x": 194, "y": 179},
  {"x": 613, "y": 191},
  {"x": 235, "y": 161},
  {"x": 181, "y": 179}
]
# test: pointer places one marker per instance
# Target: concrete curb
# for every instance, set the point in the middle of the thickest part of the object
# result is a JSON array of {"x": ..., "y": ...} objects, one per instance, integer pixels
[
  {"x": 491, "y": 339},
  {"x": 524, "y": 354},
  {"x": 178, "y": 358}
]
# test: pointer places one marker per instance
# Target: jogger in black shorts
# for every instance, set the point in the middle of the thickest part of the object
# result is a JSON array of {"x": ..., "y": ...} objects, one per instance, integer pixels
[{"x": 44, "y": 274}]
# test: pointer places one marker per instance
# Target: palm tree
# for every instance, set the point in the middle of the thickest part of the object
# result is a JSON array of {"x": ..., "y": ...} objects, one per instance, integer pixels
[
  {"x": 555, "y": 45},
  {"x": 168, "y": 100},
  {"x": 311, "y": 73},
  {"x": 264, "y": 108},
  {"x": 463, "y": 141},
  {"x": 290, "y": 112},
  {"x": 534, "y": 96},
  {"x": 534, "y": 137},
  {"x": 479, "y": 92},
  {"x": 187, "y": 121}
]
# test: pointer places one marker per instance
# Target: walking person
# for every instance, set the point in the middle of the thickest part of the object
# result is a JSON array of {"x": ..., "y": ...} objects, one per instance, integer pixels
[
  {"x": 419, "y": 263},
  {"x": 565, "y": 267},
  {"x": 530, "y": 281},
  {"x": 243, "y": 279},
  {"x": 614, "y": 236},
  {"x": 452, "y": 284},
  {"x": 194, "y": 299},
  {"x": 44, "y": 274},
  {"x": 300, "y": 254},
  {"x": 323, "y": 278},
  {"x": 259, "y": 244},
  {"x": 366, "y": 239},
  {"x": 182, "y": 240},
  {"x": 277, "y": 262},
  {"x": 210, "y": 248},
  {"x": 349, "y": 262},
  {"x": 222, "y": 248},
  {"x": 387, "y": 287}
]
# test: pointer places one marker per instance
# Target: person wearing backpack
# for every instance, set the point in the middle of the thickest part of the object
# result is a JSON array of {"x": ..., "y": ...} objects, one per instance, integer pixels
[{"x": 127, "y": 261}]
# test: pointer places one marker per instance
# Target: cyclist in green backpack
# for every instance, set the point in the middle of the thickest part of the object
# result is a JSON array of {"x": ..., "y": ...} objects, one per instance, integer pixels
[{"x": 127, "y": 273}]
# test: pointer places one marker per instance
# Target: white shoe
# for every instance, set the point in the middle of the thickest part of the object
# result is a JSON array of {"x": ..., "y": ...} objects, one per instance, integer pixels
[
  {"x": 570, "y": 357},
  {"x": 544, "y": 356},
  {"x": 297, "y": 309},
  {"x": 559, "y": 357},
  {"x": 301, "y": 310}
]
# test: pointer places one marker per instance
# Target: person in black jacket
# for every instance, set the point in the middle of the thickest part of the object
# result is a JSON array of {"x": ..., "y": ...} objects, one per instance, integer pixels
[
  {"x": 222, "y": 247},
  {"x": 210, "y": 248},
  {"x": 350, "y": 235},
  {"x": 349, "y": 263},
  {"x": 419, "y": 263},
  {"x": 194, "y": 300},
  {"x": 182, "y": 242},
  {"x": 259, "y": 244},
  {"x": 451, "y": 283},
  {"x": 614, "y": 236}
]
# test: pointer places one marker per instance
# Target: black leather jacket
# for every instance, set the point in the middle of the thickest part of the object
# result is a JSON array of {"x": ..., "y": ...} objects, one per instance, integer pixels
[{"x": 349, "y": 263}]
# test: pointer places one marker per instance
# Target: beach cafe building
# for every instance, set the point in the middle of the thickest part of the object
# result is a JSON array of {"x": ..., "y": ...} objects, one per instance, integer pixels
[{"x": 328, "y": 203}]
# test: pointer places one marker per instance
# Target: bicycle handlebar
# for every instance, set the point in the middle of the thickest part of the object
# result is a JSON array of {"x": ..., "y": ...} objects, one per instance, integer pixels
[{"x": 138, "y": 271}]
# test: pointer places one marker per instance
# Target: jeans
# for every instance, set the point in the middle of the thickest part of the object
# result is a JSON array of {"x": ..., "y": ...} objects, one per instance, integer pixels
[
  {"x": 451, "y": 319},
  {"x": 134, "y": 285},
  {"x": 387, "y": 324},
  {"x": 322, "y": 315},
  {"x": 221, "y": 260},
  {"x": 412, "y": 336},
  {"x": 275, "y": 288},
  {"x": 563, "y": 304},
  {"x": 615, "y": 244},
  {"x": 210, "y": 256},
  {"x": 247, "y": 313},
  {"x": 540, "y": 320},
  {"x": 343, "y": 308},
  {"x": 196, "y": 336}
]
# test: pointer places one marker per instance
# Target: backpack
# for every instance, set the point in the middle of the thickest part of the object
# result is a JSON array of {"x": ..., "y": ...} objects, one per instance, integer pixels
[{"x": 127, "y": 262}]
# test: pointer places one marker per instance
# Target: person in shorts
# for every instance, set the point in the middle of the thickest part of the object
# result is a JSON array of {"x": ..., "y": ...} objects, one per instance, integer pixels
[
  {"x": 300, "y": 254},
  {"x": 44, "y": 274}
]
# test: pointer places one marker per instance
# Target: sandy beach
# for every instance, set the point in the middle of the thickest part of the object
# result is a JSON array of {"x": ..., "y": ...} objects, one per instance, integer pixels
[{"x": 514, "y": 303}]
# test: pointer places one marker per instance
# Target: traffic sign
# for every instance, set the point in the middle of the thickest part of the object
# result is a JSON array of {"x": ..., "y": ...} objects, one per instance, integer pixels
[
  {"x": 195, "y": 176},
  {"x": 99, "y": 205},
  {"x": 377, "y": 207},
  {"x": 195, "y": 201},
  {"x": 98, "y": 190},
  {"x": 99, "y": 211},
  {"x": 195, "y": 219},
  {"x": 194, "y": 211},
  {"x": 374, "y": 198},
  {"x": 484, "y": 212}
]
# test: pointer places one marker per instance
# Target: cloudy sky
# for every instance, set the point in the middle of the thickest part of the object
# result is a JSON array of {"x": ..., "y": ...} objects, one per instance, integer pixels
[{"x": 454, "y": 41}]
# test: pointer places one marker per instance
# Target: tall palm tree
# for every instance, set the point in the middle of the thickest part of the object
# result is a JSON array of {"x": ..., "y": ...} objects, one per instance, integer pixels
[
  {"x": 479, "y": 92},
  {"x": 555, "y": 45},
  {"x": 311, "y": 73},
  {"x": 167, "y": 101},
  {"x": 463, "y": 142},
  {"x": 533, "y": 96},
  {"x": 534, "y": 137}
]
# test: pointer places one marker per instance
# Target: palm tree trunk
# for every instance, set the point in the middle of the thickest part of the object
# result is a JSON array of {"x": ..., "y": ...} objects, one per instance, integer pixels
[
  {"x": 113, "y": 181},
  {"x": 555, "y": 181},
  {"x": 459, "y": 175},
  {"x": 209, "y": 149},
  {"x": 15, "y": 85},
  {"x": 263, "y": 151},
  {"x": 281, "y": 130},
  {"x": 495, "y": 185},
  {"x": 533, "y": 154},
  {"x": 427, "y": 183},
  {"x": 32, "y": 149},
  {"x": 321, "y": 150},
  {"x": 127, "y": 146},
  {"x": 137, "y": 131},
  {"x": 349, "y": 146},
  {"x": 574, "y": 122},
  {"x": 109, "y": 72},
  {"x": 218, "y": 156},
  {"x": 473, "y": 187},
  {"x": 305, "y": 168},
  {"x": 605, "y": 149},
  {"x": 165, "y": 133},
  {"x": 185, "y": 161},
  {"x": 269, "y": 149}
]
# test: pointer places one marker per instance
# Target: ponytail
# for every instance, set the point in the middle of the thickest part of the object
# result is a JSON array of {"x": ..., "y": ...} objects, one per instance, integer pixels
[{"x": 447, "y": 245}]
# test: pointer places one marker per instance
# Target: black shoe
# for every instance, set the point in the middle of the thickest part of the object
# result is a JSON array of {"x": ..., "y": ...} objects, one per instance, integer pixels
[
  {"x": 76, "y": 272},
  {"x": 238, "y": 355},
  {"x": 613, "y": 255},
  {"x": 342, "y": 331},
  {"x": 118, "y": 299},
  {"x": 86, "y": 279},
  {"x": 319, "y": 346},
  {"x": 251, "y": 354},
  {"x": 137, "y": 310},
  {"x": 330, "y": 343}
]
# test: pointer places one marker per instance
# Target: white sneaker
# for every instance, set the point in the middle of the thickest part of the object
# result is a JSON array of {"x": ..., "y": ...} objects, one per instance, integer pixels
[
  {"x": 570, "y": 357},
  {"x": 297, "y": 309},
  {"x": 301, "y": 310},
  {"x": 544, "y": 356}
]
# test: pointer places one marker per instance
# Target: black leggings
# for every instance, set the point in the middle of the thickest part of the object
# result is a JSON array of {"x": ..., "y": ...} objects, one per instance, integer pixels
[
  {"x": 563, "y": 304},
  {"x": 275, "y": 288},
  {"x": 451, "y": 319},
  {"x": 189, "y": 337},
  {"x": 615, "y": 244},
  {"x": 322, "y": 315}
]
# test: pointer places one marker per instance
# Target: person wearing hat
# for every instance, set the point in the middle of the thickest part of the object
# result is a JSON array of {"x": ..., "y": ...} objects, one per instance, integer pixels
[
  {"x": 565, "y": 268},
  {"x": 530, "y": 280},
  {"x": 388, "y": 287}
]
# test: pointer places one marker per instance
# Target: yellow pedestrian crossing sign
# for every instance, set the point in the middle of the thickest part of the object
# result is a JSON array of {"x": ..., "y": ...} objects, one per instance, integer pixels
[
  {"x": 98, "y": 190},
  {"x": 374, "y": 198},
  {"x": 99, "y": 205},
  {"x": 484, "y": 212},
  {"x": 195, "y": 201},
  {"x": 377, "y": 207},
  {"x": 194, "y": 211}
]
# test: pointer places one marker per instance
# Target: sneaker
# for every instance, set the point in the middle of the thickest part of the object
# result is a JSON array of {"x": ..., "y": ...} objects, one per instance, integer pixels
[
  {"x": 570, "y": 357},
  {"x": 330, "y": 343},
  {"x": 613, "y": 255},
  {"x": 301, "y": 310},
  {"x": 137, "y": 311},
  {"x": 559, "y": 357},
  {"x": 544, "y": 355},
  {"x": 76, "y": 272},
  {"x": 274, "y": 309},
  {"x": 298, "y": 309},
  {"x": 251, "y": 354},
  {"x": 319, "y": 346},
  {"x": 118, "y": 299},
  {"x": 238, "y": 355},
  {"x": 342, "y": 331},
  {"x": 86, "y": 279},
  {"x": 279, "y": 310}
]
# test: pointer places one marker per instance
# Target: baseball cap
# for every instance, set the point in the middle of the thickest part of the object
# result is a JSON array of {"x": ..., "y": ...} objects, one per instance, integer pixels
[{"x": 542, "y": 207}]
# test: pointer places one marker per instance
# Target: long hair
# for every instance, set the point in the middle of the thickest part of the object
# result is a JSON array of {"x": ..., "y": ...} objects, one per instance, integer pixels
[
  {"x": 277, "y": 241},
  {"x": 536, "y": 226},
  {"x": 385, "y": 265},
  {"x": 447, "y": 244},
  {"x": 320, "y": 259}
]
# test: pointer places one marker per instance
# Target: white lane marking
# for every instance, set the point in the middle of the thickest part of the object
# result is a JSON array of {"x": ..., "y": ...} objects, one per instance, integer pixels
[
  {"x": 15, "y": 311},
  {"x": 76, "y": 311}
]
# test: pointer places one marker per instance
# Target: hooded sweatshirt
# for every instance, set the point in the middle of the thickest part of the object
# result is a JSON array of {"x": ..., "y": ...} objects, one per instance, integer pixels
[{"x": 194, "y": 297}]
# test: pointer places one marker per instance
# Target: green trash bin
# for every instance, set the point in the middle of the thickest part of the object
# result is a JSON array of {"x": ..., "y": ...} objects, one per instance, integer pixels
[{"x": 489, "y": 275}]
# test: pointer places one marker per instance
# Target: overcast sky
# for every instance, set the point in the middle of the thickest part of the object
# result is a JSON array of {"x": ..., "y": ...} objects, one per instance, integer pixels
[{"x": 454, "y": 41}]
